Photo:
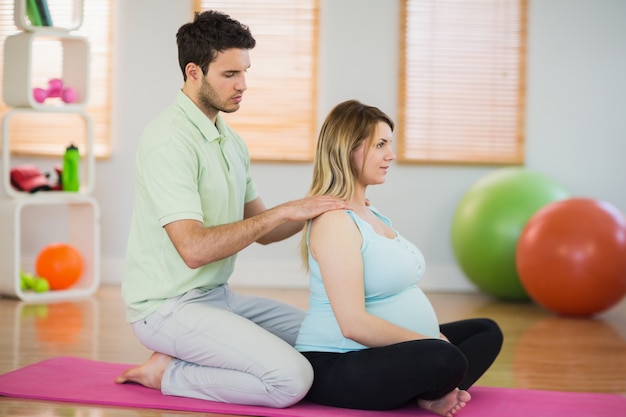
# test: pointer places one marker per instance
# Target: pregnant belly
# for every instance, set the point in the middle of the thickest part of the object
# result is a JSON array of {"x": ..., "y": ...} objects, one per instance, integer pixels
[{"x": 410, "y": 309}]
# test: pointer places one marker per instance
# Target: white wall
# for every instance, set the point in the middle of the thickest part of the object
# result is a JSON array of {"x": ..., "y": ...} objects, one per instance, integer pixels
[{"x": 576, "y": 124}]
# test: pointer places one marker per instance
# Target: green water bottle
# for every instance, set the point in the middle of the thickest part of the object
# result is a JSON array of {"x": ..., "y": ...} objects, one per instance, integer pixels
[{"x": 70, "y": 180}]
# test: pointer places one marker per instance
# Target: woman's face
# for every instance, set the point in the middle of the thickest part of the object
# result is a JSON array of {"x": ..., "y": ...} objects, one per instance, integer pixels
[{"x": 373, "y": 157}]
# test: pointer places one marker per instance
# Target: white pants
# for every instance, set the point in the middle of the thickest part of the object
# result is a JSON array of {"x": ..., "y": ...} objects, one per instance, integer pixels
[{"x": 229, "y": 347}]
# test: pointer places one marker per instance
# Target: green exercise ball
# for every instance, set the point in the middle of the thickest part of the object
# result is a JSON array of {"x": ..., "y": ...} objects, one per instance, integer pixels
[{"x": 488, "y": 222}]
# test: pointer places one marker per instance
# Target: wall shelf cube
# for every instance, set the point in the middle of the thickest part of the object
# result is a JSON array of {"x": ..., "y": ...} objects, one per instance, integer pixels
[
  {"x": 18, "y": 77},
  {"x": 80, "y": 228},
  {"x": 72, "y": 19}
]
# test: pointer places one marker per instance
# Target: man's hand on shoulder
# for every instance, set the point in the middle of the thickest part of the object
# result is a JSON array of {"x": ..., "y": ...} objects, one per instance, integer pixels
[{"x": 311, "y": 207}]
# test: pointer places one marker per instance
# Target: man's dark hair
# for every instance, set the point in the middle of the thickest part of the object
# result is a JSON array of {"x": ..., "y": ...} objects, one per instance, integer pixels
[{"x": 210, "y": 32}]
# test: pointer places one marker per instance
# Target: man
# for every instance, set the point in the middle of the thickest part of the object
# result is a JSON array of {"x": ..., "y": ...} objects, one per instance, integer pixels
[{"x": 196, "y": 207}]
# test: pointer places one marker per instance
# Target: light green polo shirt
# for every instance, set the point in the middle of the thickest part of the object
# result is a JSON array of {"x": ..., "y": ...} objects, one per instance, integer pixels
[{"x": 186, "y": 168}]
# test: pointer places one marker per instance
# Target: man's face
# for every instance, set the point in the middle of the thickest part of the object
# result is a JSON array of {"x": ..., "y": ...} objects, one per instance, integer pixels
[{"x": 223, "y": 86}]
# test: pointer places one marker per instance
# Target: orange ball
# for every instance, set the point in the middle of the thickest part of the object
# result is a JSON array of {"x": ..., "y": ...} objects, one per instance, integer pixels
[
  {"x": 60, "y": 264},
  {"x": 571, "y": 256}
]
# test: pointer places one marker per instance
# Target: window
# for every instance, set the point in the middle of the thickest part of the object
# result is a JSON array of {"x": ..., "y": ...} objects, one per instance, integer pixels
[
  {"x": 50, "y": 133},
  {"x": 277, "y": 118},
  {"x": 462, "y": 81}
]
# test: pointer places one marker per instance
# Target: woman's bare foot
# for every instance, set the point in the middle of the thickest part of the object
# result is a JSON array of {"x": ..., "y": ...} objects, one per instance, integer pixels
[
  {"x": 149, "y": 374},
  {"x": 449, "y": 404}
]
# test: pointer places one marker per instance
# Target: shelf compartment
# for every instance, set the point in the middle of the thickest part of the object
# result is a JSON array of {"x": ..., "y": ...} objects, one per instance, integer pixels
[
  {"x": 27, "y": 228},
  {"x": 81, "y": 136},
  {"x": 66, "y": 18},
  {"x": 20, "y": 70}
]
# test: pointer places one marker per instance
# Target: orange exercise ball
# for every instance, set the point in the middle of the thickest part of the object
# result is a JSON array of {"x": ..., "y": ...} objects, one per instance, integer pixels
[
  {"x": 60, "y": 264},
  {"x": 571, "y": 256}
]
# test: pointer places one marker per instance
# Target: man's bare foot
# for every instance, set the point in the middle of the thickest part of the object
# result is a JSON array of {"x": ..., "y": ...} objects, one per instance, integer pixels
[
  {"x": 449, "y": 404},
  {"x": 149, "y": 374}
]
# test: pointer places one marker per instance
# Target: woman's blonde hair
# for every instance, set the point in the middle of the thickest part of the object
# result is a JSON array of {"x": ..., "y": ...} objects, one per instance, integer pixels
[{"x": 346, "y": 127}]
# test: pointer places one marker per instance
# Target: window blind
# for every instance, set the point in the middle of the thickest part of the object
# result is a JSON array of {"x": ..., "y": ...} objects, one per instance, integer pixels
[
  {"x": 462, "y": 82},
  {"x": 49, "y": 133},
  {"x": 277, "y": 118}
]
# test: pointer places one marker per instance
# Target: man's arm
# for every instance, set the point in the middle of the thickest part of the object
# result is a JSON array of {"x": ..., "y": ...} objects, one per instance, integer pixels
[
  {"x": 198, "y": 245},
  {"x": 282, "y": 231}
]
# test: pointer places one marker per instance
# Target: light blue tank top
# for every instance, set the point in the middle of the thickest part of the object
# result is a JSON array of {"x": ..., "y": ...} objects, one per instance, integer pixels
[{"x": 392, "y": 269}]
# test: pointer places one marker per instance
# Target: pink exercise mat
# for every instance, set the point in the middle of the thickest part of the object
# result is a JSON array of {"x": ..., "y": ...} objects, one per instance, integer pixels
[{"x": 86, "y": 381}]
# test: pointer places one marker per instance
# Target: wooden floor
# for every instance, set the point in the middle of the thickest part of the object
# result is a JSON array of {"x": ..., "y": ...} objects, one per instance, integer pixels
[{"x": 541, "y": 350}]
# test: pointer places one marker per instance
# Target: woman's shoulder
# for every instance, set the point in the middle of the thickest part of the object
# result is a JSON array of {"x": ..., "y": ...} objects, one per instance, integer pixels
[
  {"x": 333, "y": 217},
  {"x": 334, "y": 230},
  {"x": 334, "y": 221}
]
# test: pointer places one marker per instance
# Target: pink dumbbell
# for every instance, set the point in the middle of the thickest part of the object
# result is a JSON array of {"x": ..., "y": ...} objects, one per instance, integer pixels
[{"x": 55, "y": 89}]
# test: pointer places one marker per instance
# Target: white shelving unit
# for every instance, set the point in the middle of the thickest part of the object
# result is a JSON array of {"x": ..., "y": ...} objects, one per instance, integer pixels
[{"x": 20, "y": 212}]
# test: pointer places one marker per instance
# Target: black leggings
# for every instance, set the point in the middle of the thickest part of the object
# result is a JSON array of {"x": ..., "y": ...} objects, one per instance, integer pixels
[{"x": 388, "y": 377}]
